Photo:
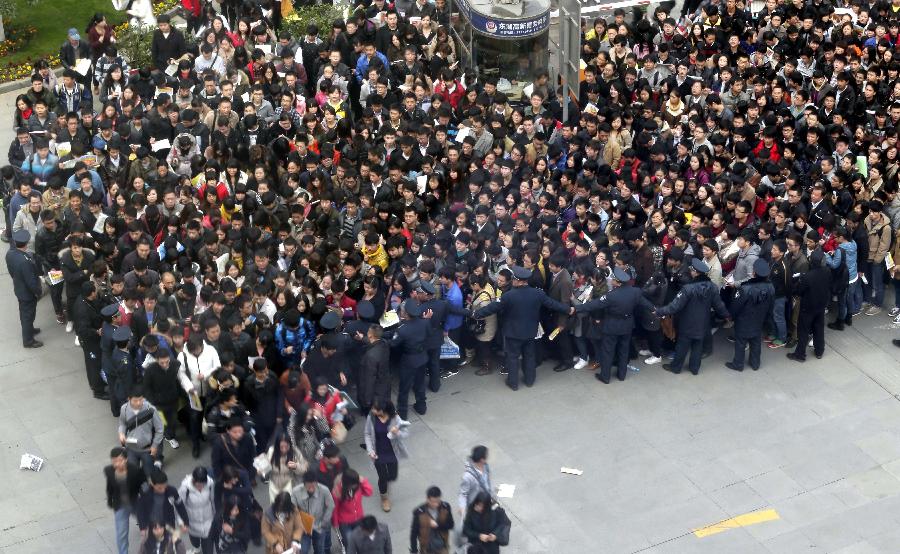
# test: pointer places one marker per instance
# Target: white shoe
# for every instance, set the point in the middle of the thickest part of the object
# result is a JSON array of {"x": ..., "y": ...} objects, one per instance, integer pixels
[
  {"x": 810, "y": 343},
  {"x": 643, "y": 352},
  {"x": 173, "y": 443},
  {"x": 652, "y": 360},
  {"x": 77, "y": 342},
  {"x": 157, "y": 464},
  {"x": 580, "y": 364},
  {"x": 69, "y": 327}
]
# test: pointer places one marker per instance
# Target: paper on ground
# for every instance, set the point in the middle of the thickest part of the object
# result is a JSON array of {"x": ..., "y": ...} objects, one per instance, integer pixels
[
  {"x": 32, "y": 462},
  {"x": 505, "y": 490},
  {"x": 571, "y": 471}
]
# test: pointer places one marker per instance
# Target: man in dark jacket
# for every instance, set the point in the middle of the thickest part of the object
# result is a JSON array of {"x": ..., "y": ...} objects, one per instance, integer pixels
[
  {"x": 123, "y": 485},
  {"x": 692, "y": 304},
  {"x": 375, "y": 371},
  {"x": 47, "y": 244},
  {"x": 409, "y": 340},
  {"x": 88, "y": 321},
  {"x": 162, "y": 389},
  {"x": 159, "y": 502},
  {"x": 814, "y": 290},
  {"x": 750, "y": 308},
  {"x": 440, "y": 309},
  {"x": 371, "y": 537},
  {"x": 168, "y": 43},
  {"x": 265, "y": 401},
  {"x": 24, "y": 272},
  {"x": 431, "y": 524},
  {"x": 234, "y": 448}
]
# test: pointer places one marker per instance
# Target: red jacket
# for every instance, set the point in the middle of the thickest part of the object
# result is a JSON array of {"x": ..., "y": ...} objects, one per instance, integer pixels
[
  {"x": 453, "y": 97},
  {"x": 193, "y": 6},
  {"x": 349, "y": 511}
]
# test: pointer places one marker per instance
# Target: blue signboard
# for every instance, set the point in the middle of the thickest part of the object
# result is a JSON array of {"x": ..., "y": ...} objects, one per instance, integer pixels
[{"x": 504, "y": 28}]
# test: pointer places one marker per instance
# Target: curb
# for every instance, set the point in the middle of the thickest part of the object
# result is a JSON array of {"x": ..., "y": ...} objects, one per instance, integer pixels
[{"x": 23, "y": 84}]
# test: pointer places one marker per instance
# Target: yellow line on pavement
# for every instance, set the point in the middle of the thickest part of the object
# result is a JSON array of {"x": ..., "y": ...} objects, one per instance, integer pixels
[{"x": 751, "y": 518}]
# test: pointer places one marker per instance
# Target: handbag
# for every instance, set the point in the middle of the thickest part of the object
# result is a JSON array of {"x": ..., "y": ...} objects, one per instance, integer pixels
[
  {"x": 449, "y": 349},
  {"x": 262, "y": 464},
  {"x": 436, "y": 542},
  {"x": 668, "y": 327},
  {"x": 338, "y": 432},
  {"x": 504, "y": 526},
  {"x": 478, "y": 326}
]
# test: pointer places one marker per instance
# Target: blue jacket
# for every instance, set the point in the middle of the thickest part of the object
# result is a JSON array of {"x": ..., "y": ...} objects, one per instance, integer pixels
[
  {"x": 42, "y": 170},
  {"x": 454, "y": 297},
  {"x": 521, "y": 309},
  {"x": 834, "y": 260},
  {"x": 362, "y": 65},
  {"x": 300, "y": 338},
  {"x": 96, "y": 182},
  {"x": 692, "y": 304}
]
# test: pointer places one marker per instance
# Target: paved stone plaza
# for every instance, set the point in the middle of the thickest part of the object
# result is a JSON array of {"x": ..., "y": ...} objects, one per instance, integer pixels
[{"x": 662, "y": 455}]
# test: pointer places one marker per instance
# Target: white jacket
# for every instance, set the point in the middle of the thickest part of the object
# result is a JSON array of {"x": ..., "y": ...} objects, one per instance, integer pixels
[
  {"x": 199, "y": 505},
  {"x": 195, "y": 370}
]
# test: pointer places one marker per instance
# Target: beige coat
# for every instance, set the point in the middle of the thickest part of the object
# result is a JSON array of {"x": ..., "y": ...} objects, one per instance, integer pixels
[{"x": 480, "y": 300}]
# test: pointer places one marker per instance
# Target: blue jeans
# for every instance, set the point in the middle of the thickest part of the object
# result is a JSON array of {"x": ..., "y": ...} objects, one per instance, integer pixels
[
  {"x": 123, "y": 520},
  {"x": 896, "y": 283},
  {"x": 855, "y": 296},
  {"x": 779, "y": 317},
  {"x": 345, "y": 530},
  {"x": 321, "y": 541},
  {"x": 875, "y": 289}
]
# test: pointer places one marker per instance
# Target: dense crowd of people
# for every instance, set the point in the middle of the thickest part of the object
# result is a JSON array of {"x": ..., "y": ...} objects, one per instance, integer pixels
[{"x": 256, "y": 235}]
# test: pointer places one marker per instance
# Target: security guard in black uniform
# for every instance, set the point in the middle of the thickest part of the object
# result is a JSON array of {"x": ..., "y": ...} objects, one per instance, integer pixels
[
  {"x": 692, "y": 305},
  {"x": 440, "y": 309},
  {"x": 357, "y": 329},
  {"x": 750, "y": 307},
  {"x": 334, "y": 368},
  {"x": 20, "y": 264},
  {"x": 521, "y": 309},
  {"x": 618, "y": 307},
  {"x": 122, "y": 375},
  {"x": 88, "y": 320},
  {"x": 409, "y": 340},
  {"x": 112, "y": 318}
]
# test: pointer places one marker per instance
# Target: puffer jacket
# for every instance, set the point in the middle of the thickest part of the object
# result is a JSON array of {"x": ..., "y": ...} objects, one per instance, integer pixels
[
  {"x": 195, "y": 370},
  {"x": 300, "y": 338},
  {"x": 200, "y": 505},
  {"x": 24, "y": 220},
  {"x": 181, "y": 162},
  {"x": 480, "y": 300},
  {"x": 743, "y": 269}
]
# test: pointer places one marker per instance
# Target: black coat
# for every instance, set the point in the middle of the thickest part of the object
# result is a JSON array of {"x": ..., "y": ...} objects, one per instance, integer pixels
[
  {"x": 814, "y": 290},
  {"x": 521, "y": 309},
  {"x": 239, "y": 456},
  {"x": 375, "y": 374},
  {"x": 692, "y": 304},
  {"x": 619, "y": 306},
  {"x": 161, "y": 386},
  {"x": 134, "y": 478},
  {"x": 22, "y": 267},
  {"x": 171, "y": 504},
  {"x": 163, "y": 49},
  {"x": 751, "y": 306},
  {"x": 409, "y": 340},
  {"x": 87, "y": 319}
]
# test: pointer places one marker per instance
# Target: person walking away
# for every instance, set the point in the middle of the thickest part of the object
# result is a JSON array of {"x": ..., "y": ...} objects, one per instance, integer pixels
[
  {"x": 750, "y": 306},
  {"x": 123, "y": 484},
  {"x": 348, "y": 493},
  {"x": 814, "y": 290},
  {"x": 162, "y": 389},
  {"x": 140, "y": 430},
  {"x": 692, "y": 304},
  {"x": 196, "y": 492},
  {"x": 432, "y": 521},
  {"x": 371, "y": 537},
  {"x": 161, "y": 541},
  {"x": 22, "y": 268},
  {"x": 409, "y": 340},
  {"x": 619, "y": 307},
  {"x": 486, "y": 526},
  {"x": 159, "y": 503},
  {"x": 288, "y": 465},
  {"x": 315, "y": 499},
  {"x": 283, "y": 527},
  {"x": 385, "y": 436}
]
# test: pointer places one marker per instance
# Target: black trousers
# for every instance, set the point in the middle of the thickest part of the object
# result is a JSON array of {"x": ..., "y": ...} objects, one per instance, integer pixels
[
  {"x": 386, "y": 474},
  {"x": 92, "y": 361},
  {"x": 740, "y": 343},
  {"x": 27, "y": 313},
  {"x": 524, "y": 348},
  {"x": 411, "y": 378},
  {"x": 810, "y": 323},
  {"x": 614, "y": 347},
  {"x": 56, "y": 292}
]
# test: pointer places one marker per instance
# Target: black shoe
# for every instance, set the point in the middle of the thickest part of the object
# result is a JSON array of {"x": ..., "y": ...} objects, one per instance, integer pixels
[
  {"x": 34, "y": 344},
  {"x": 849, "y": 320},
  {"x": 604, "y": 381},
  {"x": 447, "y": 373},
  {"x": 527, "y": 384},
  {"x": 706, "y": 355},
  {"x": 36, "y": 331},
  {"x": 420, "y": 411},
  {"x": 795, "y": 357},
  {"x": 730, "y": 365},
  {"x": 195, "y": 451},
  {"x": 819, "y": 356},
  {"x": 695, "y": 372},
  {"x": 511, "y": 386},
  {"x": 434, "y": 389},
  {"x": 4, "y": 238},
  {"x": 562, "y": 366},
  {"x": 754, "y": 368},
  {"x": 791, "y": 343},
  {"x": 836, "y": 325},
  {"x": 669, "y": 368},
  {"x": 896, "y": 342},
  {"x": 102, "y": 395}
]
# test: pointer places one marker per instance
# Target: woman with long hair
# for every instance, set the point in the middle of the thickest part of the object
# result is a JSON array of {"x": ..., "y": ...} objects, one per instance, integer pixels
[
  {"x": 233, "y": 526},
  {"x": 348, "y": 494},
  {"x": 161, "y": 541},
  {"x": 385, "y": 437},
  {"x": 486, "y": 526},
  {"x": 282, "y": 526},
  {"x": 287, "y": 463},
  {"x": 306, "y": 428}
]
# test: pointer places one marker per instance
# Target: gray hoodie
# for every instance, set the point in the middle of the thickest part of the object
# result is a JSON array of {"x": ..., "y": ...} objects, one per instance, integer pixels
[
  {"x": 473, "y": 482},
  {"x": 147, "y": 434}
]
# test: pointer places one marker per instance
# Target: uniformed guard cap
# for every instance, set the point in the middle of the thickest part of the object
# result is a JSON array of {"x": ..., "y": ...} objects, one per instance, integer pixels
[
  {"x": 122, "y": 334},
  {"x": 761, "y": 268},
  {"x": 699, "y": 265},
  {"x": 365, "y": 309},
  {"x": 330, "y": 320},
  {"x": 426, "y": 287},
  {"x": 621, "y": 275},
  {"x": 413, "y": 308},
  {"x": 21, "y": 236},
  {"x": 109, "y": 310},
  {"x": 520, "y": 273}
]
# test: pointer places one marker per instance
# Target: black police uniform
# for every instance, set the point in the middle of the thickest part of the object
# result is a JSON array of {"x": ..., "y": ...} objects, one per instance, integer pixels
[
  {"x": 121, "y": 378},
  {"x": 440, "y": 308},
  {"x": 27, "y": 287},
  {"x": 521, "y": 309},
  {"x": 692, "y": 304},
  {"x": 88, "y": 320},
  {"x": 750, "y": 307},
  {"x": 618, "y": 307},
  {"x": 409, "y": 340}
]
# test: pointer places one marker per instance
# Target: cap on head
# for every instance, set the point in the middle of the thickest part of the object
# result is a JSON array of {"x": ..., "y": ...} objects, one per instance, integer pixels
[{"x": 761, "y": 268}]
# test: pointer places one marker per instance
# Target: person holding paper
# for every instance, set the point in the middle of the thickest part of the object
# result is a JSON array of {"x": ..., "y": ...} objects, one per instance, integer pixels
[
  {"x": 73, "y": 50},
  {"x": 284, "y": 527}
]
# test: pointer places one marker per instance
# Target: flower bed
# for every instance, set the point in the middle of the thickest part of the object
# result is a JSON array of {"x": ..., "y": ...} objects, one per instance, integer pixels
[{"x": 17, "y": 37}]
